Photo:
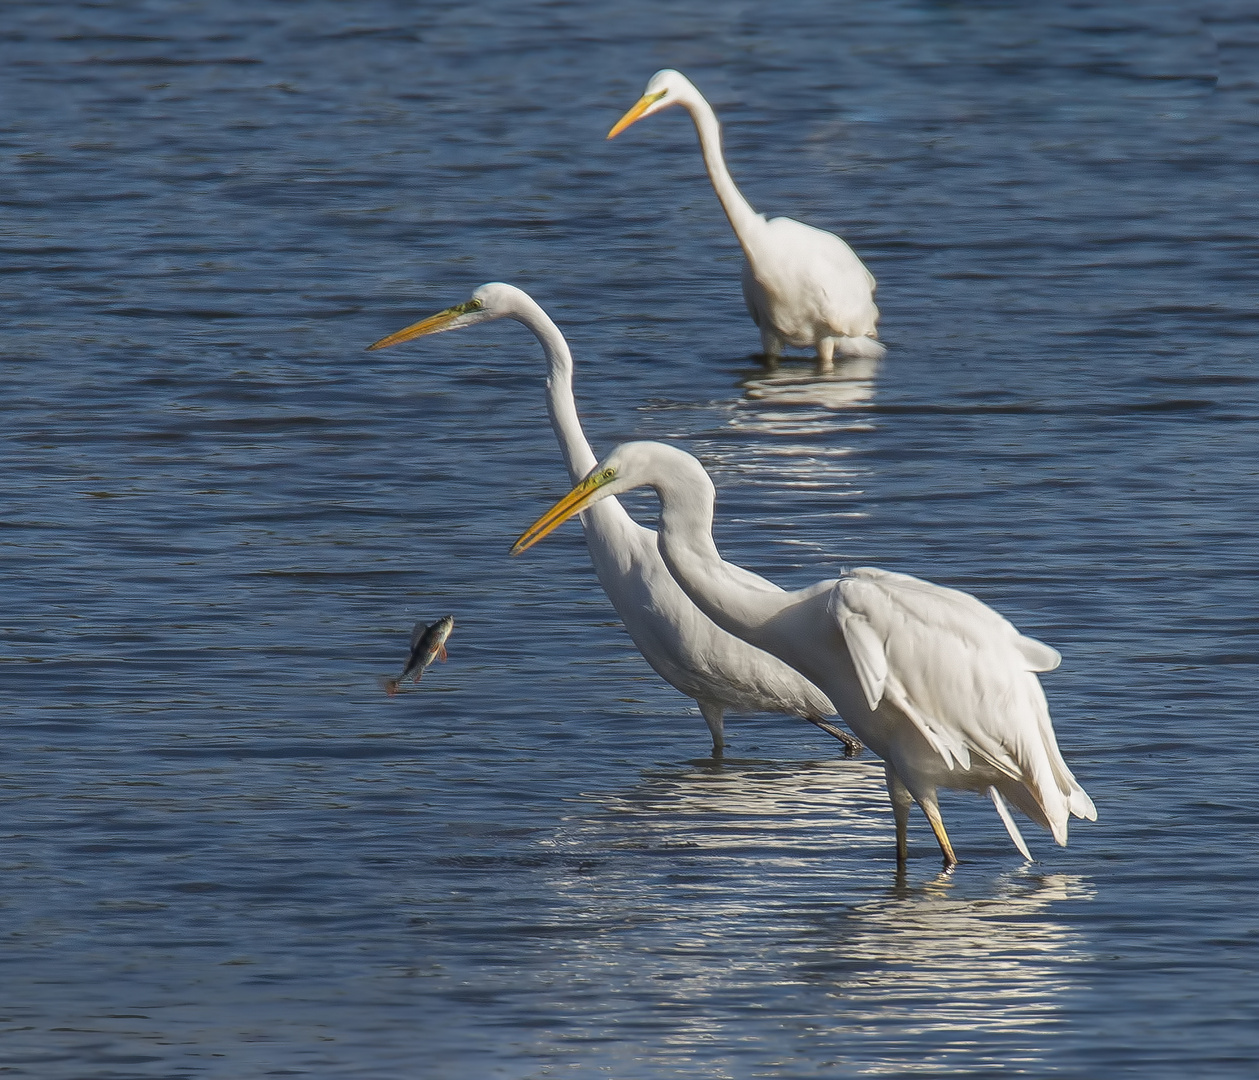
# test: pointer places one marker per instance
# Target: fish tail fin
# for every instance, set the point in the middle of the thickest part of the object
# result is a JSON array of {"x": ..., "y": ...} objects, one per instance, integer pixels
[{"x": 390, "y": 686}]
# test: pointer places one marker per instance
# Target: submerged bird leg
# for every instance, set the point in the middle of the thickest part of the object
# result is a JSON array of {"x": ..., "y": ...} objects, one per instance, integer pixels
[
  {"x": 771, "y": 348},
  {"x": 901, "y": 800},
  {"x": 942, "y": 838},
  {"x": 852, "y": 746},
  {"x": 825, "y": 356},
  {"x": 714, "y": 717}
]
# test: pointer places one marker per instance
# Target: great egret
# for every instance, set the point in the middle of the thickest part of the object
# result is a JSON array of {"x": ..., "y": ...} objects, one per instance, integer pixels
[
  {"x": 715, "y": 668},
  {"x": 802, "y": 286},
  {"x": 935, "y": 682}
]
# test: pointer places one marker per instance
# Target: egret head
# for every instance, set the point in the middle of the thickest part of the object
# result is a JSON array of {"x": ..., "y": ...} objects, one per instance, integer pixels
[
  {"x": 631, "y": 465},
  {"x": 618, "y": 472},
  {"x": 667, "y": 87},
  {"x": 491, "y": 301}
]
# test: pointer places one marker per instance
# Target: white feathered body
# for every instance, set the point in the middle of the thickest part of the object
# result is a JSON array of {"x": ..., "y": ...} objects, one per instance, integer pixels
[
  {"x": 803, "y": 285},
  {"x": 936, "y": 683}
]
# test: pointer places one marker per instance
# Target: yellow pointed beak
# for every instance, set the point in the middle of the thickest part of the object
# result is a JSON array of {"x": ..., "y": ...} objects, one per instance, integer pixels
[
  {"x": 571, "y": 504},
  {"x": 640, "y": 106},
  {"x": 419, "y": 329},
  {"x": 431, "y": 325}
]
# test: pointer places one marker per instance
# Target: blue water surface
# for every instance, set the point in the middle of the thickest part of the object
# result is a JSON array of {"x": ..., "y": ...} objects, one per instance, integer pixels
[{"x": 226, "y": 853}]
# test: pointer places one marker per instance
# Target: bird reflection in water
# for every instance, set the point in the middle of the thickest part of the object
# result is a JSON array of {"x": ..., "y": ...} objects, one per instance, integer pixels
[
  {"x": 850, "y": 386},
  {"x": 794, "y": 402},
  {"x": 943, "y": 965},
  {"x": 714, "y": 888}
]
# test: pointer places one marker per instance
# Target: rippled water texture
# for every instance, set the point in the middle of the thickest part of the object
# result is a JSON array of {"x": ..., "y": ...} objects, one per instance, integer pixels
[{"x": 227, "y": 853}]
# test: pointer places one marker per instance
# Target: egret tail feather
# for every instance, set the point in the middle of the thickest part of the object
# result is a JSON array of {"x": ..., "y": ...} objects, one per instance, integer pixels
[
  {"x": 1010, "y": 825},
  {"x": 867, "y": 348}
]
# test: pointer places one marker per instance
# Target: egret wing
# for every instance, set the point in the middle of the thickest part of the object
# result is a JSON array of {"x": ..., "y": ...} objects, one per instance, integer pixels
[
  {"x": 1038, "y": 655},
  {"x": 964, "y": 676},
  {"x": 958, "y": 670},
  {"x": 868, "y": 652}
]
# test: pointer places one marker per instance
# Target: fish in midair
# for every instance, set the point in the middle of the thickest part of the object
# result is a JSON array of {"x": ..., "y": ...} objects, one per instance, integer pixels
[{"x": 428, "y": 643}]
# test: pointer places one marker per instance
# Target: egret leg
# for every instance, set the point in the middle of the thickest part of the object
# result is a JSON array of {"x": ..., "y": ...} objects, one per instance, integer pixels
[
  {"x": 826, "y": 356},
  {"x": 902, "y": 800},
  {"x": 942, "y": 838},
  {"x": 771, "y": 347},
  {"x": 714, "y": 717},
  {"x": 852, "y": 746}
]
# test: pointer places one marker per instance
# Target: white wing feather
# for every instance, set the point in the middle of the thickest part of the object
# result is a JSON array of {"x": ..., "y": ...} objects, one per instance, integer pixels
[
  {"x": 964, "y": 676},
  {"x": 869, "y": 656},
  {"x": 1039, "y": 656},
  {"x": 1010, "y": 825},
  {"x": 810, "y": 278}
]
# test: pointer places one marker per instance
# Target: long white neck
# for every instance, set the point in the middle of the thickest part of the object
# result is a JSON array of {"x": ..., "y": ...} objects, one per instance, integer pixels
[
  {"x": 730, "y": 596},
  {"x": 578, "y": 457},
  {"x": 611, "y": 534},
  {"x": 743, "y": 219}
]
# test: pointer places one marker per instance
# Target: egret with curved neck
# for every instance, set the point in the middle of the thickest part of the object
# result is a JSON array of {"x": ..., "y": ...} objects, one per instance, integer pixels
[
  {"x": 685, "y": 648},
  {"x": 803, "y": 286},
  {"x": 934, "y": 681}
]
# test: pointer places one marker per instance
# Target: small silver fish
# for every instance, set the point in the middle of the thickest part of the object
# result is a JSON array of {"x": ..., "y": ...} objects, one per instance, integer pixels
[{"x": 428, "y": 643}]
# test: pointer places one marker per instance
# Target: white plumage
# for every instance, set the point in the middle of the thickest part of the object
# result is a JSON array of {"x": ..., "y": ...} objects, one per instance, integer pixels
[
  {"x": 934, "y": 681},
  {"x": 803, "y": 286},
  {"x": 685, "y": 648}
]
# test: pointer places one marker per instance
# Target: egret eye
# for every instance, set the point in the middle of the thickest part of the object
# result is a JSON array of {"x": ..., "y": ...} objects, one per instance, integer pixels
[
  {"x": 607, "y": 474},
  {"x": 472, "y": 305}
]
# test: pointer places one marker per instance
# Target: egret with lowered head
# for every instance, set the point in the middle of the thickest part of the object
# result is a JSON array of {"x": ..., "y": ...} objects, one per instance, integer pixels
[
  {"x": 934, "y": 681},
  {"x": 803, "y": 286},
  {"x": 683, "y": 645}
]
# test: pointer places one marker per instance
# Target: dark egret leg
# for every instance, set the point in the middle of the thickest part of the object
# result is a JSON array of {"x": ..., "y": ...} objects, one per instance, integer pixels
[
  {"x": 826, "y": 356},
  {"x": 852, "y": 746},
  {"x": 714, "y": 717},
  {"x": 902, "y": 800},
  {"x": 771, "y": 347}
]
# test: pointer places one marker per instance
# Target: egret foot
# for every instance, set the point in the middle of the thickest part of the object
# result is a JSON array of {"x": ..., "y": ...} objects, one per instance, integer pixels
[
  {"x": 714, "y": 717},
  {"x": 852, "y": 746}
]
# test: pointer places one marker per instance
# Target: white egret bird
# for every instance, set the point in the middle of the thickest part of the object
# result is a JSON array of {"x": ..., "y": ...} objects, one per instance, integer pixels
[
  {"x": 685, "y": 648},
  {"x": 935, "y": 682},
  {"x": 803, "y": 286}
]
